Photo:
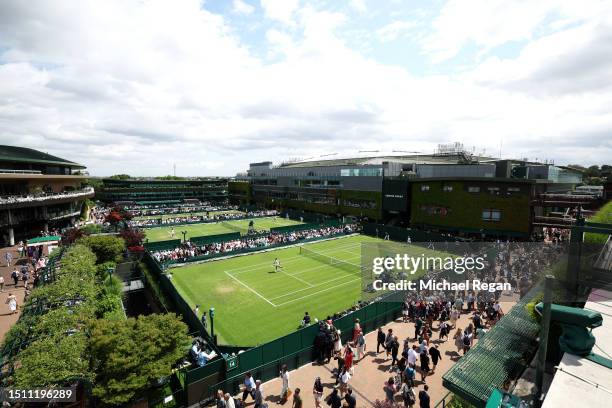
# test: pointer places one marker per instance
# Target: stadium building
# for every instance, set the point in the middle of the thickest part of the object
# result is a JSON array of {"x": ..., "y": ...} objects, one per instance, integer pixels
[
  {"x": 160, "y": 191},
  {"x": 448, "y": 191},
  {"x": 38, "y": 191}
]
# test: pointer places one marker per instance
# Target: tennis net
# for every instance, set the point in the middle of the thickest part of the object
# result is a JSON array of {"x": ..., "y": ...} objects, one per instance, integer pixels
[
  {"x": 234, "y": 227},
  {"x": 335, "y": 262}
]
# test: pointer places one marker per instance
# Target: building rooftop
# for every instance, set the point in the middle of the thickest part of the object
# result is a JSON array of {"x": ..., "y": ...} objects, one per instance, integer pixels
[
  {"x": 24, "y": 155},
  {"x": 369, "y": 159}
]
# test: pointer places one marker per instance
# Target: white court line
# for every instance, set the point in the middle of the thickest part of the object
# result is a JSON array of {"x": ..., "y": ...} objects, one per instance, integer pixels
[
  {"x": 295, "y": 277},
  {"x": 253, "y": 267},
  {"x": 248, "y": 287},
  {"x": 315, "y": 286},
  {"x": 316, "y": 293}
]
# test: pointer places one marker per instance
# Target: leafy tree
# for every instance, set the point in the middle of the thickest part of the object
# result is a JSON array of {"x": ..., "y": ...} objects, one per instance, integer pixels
[
  {"x": 132, "y": 237},
  {"x": 72, "y": 235},
  {"x": 106, "y": 248},
  {"x": 129, "y": 356},
  {"x": 52, "y": 359},
  {"x": 120, "y": 177}
]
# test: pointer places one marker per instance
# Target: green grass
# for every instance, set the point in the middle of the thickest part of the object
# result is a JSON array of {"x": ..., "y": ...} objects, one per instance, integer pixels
[
  {"x": 214, "y": 228},
  {"x": 253, "y": 304},
  {"x": 166, "y": 216},
  {"x": 603, "y": 216}
]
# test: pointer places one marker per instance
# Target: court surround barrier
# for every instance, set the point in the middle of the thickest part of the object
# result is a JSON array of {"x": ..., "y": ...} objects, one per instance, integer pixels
[
  {"x": 209, "y": 239},
  {"x": 174, "y": 224},
  {"x": 297, "y": 349},
  {"x": 402, "y": 234}
]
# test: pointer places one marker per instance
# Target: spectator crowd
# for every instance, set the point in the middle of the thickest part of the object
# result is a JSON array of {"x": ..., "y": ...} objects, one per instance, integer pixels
[{"x": 189, "y": 249}]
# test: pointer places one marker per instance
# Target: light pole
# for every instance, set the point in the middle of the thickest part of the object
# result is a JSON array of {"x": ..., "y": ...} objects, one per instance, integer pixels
[
  {"x": 211, "y": 312},
  {"x": 110, "y": 271}
]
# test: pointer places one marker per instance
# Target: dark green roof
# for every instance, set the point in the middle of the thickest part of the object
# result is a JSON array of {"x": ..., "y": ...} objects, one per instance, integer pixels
[
  {"x": 501, "y": 355},
  {"x": 25, "y": 155}
]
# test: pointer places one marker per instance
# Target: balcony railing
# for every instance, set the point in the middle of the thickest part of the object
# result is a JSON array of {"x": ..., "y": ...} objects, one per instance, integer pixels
[
  {"x": 8, "y": 171},
  {"x": 43, "y": 197}
]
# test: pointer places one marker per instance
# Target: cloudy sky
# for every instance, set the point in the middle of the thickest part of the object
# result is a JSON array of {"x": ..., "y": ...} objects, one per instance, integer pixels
[{"x": 134, "y": 86}]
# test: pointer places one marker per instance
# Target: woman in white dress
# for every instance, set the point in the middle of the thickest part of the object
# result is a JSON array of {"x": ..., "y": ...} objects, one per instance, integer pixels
[
  {"x": 11, "y": 301},
  {"x": 338, "y": 343}
]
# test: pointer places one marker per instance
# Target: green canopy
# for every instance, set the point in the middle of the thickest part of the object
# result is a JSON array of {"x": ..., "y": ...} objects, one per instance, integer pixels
[{"x": 53, "y": 239}]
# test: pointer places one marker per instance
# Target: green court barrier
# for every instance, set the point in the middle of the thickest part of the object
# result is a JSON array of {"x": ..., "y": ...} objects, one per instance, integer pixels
[
  {"x": 220, "y": 238},
  {"x": 162, "y": 245}
]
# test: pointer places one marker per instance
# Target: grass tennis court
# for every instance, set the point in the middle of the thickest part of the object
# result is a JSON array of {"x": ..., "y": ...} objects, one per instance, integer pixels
[
  {"x": 253, "y": 304},
  {"x": 198, "y": 213},
  {"x": 224, "y": 227}
]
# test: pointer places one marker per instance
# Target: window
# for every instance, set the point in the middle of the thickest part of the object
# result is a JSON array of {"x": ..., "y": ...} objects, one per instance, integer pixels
[
  {"x": 491, "y": 215},
  {"x": 372, "y": 172},
  {"x": 514, "y": 190},
  {"x": 425, "y": 187},
  {"x": 447, "y": 189},
  {"x": 473, "y": 189}
]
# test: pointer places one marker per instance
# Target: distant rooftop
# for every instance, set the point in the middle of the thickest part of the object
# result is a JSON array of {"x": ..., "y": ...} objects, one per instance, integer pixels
[
  {"x": 24, "y": 155},
  {"x": 370, "y": 159}
]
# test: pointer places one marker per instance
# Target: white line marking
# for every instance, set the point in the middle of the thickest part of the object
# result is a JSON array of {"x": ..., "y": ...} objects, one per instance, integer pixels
[
  {"x": 295, "y": 277},
  {"x": 316, "y": 286},
  {"x": 261, "y": 265},
  {"x": 248, "y": 287},
  {"x": 316, "y": 293}
]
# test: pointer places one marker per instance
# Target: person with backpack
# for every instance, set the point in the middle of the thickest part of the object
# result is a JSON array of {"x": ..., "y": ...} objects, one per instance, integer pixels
[
  {"x": 418, "y": 323},
  {"x": 408, "y": 395},
  {"x": 443, "y": 331},
  {"x": 361, "y": 347},
  {"x": 409, "y": 374},
  {"x": 394, "y": 351},
  {"x": 435, "y": 356},
  {"x": 467, "y": 341},
  {"x": 380, "y": 339},
  {"x": 424, "y": 366},
  {"x": 15, "y": 276},
  {"x": 389, "y": 341}
]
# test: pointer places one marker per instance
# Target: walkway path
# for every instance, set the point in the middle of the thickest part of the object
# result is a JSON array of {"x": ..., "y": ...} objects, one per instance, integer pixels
[
  {"x": 371, "y": 373},
  {"x": 6, "y": 318}
]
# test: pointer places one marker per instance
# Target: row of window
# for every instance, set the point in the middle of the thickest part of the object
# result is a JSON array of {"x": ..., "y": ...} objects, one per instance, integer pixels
[
  {"x": 489, "y": 214},
  {"x": 474, "y": 189}
]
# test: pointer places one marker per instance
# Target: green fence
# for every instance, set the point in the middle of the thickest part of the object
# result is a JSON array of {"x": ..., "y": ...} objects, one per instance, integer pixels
[
  {"x": 293, "y": 228},
  {"x": 209, "y": 239},
  {"x": 297, "y": 348},
  {"x": 162, "y": 245},
  {"x": 402, "y": 234}
]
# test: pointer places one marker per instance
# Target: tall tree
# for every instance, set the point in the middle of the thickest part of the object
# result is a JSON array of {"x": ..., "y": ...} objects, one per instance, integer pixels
[{"x": 130, "y": 356}]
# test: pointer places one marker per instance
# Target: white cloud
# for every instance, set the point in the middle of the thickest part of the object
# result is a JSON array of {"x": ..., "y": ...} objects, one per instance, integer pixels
[
  {"x": 359, "y": 5},
  {"x": 490, "y": 23},
  {"x": 79, "y": 80},
  {"x": 241, "y": 7},
  {"x": 280, "y": 10},
  {"x": 394, "y": 30}
]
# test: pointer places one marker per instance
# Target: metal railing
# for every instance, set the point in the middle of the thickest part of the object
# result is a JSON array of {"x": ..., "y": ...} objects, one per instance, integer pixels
[{"x": 45, "y": 196}]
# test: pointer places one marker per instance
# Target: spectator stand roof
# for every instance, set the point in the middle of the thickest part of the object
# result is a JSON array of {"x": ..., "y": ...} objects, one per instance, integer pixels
[
  {"x": 14, "y": 154},
  {"x": 501, "y": 355}
]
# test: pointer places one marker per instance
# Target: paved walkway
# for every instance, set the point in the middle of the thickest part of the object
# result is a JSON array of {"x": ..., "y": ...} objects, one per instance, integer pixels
[
  {"x": 6, "y": 318},
  {"x": 371, "y": 373}
]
